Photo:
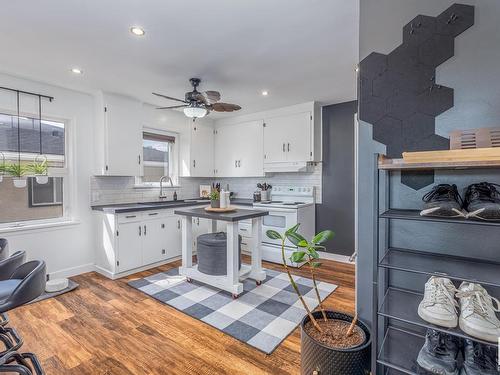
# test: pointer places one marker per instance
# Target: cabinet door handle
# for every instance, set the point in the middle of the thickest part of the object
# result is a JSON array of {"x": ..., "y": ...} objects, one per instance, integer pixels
[
  {"x": 283, "y": 147},
  {"x": 144, "y": 230},
  {"x": 163, "y": 226},
  {"x": 289, "y": 147},
  {"x": 239, "y": 163},
  {"x": 178, "y": 224},
  {"x": 198, "y": 221},
  {"x": 139, "y": 158},
  {"x": 194, "y": 163},
  {"x": 140, "y": 230},
  {"x": 236, "y": 163},
  {"x": 130, "y": 216},
  {"x": 153, "y": 214}
]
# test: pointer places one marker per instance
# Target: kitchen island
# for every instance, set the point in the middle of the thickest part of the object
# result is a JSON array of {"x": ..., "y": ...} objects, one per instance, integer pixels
[{"x": 231, "y": 281}]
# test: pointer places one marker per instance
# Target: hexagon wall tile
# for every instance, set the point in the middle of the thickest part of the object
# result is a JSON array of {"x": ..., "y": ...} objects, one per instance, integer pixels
[{"x": 398, "y": 94}]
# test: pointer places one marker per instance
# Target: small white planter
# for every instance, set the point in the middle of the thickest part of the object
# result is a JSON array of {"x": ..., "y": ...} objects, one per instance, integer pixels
[
  {"x": 42, "y": 179},
  {"x": 19, "y": 182}
]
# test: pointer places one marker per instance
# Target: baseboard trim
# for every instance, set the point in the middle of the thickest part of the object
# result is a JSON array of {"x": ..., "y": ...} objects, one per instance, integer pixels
[
  {"x": 335, "y": 257},
  {"x": 114, "y": 276},
  {"x": 73, "y": 271}
]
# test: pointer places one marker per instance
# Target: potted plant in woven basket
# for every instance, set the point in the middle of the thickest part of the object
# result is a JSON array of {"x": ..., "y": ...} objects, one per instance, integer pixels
[
  {"x": 215, "y": 199},
  {"x": 332, "y": 342}
]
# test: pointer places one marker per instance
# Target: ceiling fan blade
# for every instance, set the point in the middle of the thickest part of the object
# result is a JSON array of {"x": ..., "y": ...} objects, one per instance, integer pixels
[
  {"x": 225, "y": 107},
  {"x": 211, "y": 96},
  {"x": 173, "y": 106},
  {"x": 169, "y": 97}
]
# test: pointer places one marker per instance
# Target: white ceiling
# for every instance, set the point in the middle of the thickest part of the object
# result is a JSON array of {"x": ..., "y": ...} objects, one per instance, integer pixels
[{"x": 298, "y": 50}]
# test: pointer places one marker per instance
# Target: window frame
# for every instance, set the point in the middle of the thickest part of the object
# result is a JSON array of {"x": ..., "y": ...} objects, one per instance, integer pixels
[
  {"x": 66, "y": 172},
  {"x": 173, "y": 163}
]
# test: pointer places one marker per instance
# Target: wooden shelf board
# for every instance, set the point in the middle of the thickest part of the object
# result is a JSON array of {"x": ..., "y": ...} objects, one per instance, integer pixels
[{"x": 385, "y": 163}]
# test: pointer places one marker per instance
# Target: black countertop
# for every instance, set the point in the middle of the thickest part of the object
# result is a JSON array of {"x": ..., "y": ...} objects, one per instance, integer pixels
[
  {"x": 239, "y": 214},
  {"x": 147, "y": 206}
]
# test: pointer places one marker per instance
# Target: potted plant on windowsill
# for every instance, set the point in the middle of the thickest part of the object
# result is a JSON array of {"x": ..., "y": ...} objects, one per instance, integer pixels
[
  {"x": 17, "y": 171},
  {"x": 215, "y": 199},
  {"x": 332, "y": 342},
  {"x": 39, "y": 168}
]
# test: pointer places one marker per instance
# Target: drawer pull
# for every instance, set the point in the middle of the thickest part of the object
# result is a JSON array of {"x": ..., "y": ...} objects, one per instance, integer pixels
[
  {"x": 153, "y": 214},
  {"x": 130, "y": 216}
]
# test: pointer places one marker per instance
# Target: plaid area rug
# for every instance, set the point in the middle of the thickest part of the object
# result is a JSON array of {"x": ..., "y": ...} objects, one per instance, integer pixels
[{"x": 262, "y": 316}]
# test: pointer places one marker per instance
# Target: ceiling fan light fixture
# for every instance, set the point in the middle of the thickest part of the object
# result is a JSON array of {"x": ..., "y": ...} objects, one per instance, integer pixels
[{"x": 195, "y": 111}]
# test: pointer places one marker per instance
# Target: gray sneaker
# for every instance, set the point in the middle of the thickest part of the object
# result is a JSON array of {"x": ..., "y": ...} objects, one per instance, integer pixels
[
  {"x": 482, "y": 201},
  {"x": 443, "y": 200},
  {"x": 479, "y": 359},
  {"x": 439, "y": 353}
]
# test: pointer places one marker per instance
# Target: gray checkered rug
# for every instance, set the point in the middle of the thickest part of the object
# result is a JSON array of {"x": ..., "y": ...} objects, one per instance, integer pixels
[{"x": 262, "y": 316}]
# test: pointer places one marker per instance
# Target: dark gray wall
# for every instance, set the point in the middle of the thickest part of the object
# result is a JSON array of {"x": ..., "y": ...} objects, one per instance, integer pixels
[
  {"x": 473, "y": 73},
  {"x": 337, "y": 209}
]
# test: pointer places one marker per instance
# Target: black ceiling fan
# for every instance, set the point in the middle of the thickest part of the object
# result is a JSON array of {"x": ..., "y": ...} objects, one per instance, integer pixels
[{"x": 198, "y": 104}]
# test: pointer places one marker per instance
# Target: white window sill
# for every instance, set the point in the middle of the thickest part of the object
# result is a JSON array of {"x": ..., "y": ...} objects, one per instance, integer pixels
[{"x": 38, "y": 226}]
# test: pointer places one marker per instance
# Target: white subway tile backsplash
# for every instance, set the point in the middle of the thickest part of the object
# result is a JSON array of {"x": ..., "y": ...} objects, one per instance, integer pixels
[{"x": 112, "y": 190}]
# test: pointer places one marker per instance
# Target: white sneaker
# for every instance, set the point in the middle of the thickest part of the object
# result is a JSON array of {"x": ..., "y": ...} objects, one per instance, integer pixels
[
  {"x": 439, "y": 305},
  {"x": 477, "y": 315}
]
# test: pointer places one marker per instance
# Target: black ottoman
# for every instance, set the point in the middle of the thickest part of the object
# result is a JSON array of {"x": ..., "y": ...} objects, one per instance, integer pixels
[{"x": 212, "y": 253}]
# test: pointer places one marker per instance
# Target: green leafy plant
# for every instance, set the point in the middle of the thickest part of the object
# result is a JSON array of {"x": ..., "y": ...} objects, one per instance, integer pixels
[
  {"x": 306, "y": 251},
  {"x": 15, "y": 169},
  {"x": 214, "y": 195},
  {"x": 38, "y": 167}
]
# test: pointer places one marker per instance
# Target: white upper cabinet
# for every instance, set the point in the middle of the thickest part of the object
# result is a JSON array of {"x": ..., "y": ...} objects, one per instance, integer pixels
[
  {"x": 197, "y": 156},
  {"x": 288, "y": 138},
  {"x": 239, "y": 150},
  {"x": 120, "y": 137},
  {"x": 202, "y": 150}
]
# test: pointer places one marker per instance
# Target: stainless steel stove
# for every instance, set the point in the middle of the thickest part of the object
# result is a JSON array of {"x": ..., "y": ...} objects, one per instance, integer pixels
[{"x": 289, "y": 205}]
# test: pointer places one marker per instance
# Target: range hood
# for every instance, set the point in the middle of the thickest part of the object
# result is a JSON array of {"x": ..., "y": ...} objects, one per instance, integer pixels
[{"x": 288, "y": 166}]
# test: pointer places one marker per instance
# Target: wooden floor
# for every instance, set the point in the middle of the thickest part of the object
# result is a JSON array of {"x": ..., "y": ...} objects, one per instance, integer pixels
[{"x": 107, "y": 327}]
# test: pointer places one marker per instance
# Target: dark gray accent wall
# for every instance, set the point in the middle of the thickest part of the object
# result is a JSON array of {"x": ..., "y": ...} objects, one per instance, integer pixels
[
  {"x": 337, "y": 210},
  {"x": 473, "y": 73}
]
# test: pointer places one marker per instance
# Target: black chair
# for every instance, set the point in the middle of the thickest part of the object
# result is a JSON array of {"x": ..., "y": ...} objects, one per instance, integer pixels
[
  {"x": 4, "y": 248},
  {"x": 25, "y": 284},
  {"x": 7, "y": 268}
]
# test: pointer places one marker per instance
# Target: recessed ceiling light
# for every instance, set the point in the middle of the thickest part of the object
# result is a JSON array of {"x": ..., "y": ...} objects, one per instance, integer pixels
[
  {"x": 138, "y": 31},
  {"x": 265, "y": 93},
  {"x": 76, "y": 70}
]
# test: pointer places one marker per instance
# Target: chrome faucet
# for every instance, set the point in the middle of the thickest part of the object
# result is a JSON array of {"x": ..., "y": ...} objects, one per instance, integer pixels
[{"x": 163, "y": 178}]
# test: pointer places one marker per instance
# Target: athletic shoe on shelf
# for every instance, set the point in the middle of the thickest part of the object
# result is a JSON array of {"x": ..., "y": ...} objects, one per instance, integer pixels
[
  {"x": 479, "y": 359},
  {"x": 443, "y": 200},
  {"x": 482, "y": 201},
  {"x": 439, "y": 353},
  {"x": 439, "y": 305},
  {"x": 477, "y": 312}
]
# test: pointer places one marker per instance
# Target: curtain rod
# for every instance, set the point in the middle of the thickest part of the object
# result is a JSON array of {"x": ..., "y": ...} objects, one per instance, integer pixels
[{"x": 28, "y": 93}]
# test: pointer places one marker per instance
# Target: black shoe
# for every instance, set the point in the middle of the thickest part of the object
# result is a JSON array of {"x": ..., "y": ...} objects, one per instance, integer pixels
[
  {"x": 479, "y": 359},
  {"x": 439, "y": 353},
  {"x": 482, "y": 201},
  {"x": 443, "y": 200}
]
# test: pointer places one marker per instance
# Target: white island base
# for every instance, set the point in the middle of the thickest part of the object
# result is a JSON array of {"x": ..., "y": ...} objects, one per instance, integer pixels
[{"x": 231, "y": 281}]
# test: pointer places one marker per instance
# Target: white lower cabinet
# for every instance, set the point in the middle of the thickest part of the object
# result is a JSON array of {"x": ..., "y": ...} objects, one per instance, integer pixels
[
  {"x": 129, "y": 245},
  {"x": 131, "y": 241}
]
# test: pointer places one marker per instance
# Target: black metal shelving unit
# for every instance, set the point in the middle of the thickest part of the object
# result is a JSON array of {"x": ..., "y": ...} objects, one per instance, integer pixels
[{"x": 398, "y": 330}]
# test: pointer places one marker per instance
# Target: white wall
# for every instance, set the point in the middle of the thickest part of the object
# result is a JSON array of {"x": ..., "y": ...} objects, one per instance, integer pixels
[{"x": 67, "y": 249}]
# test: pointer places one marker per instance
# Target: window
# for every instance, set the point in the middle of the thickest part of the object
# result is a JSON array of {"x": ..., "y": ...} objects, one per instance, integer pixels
[
  {"x": 36, "y": 202},
  {"x": 158, "y": 156}
]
